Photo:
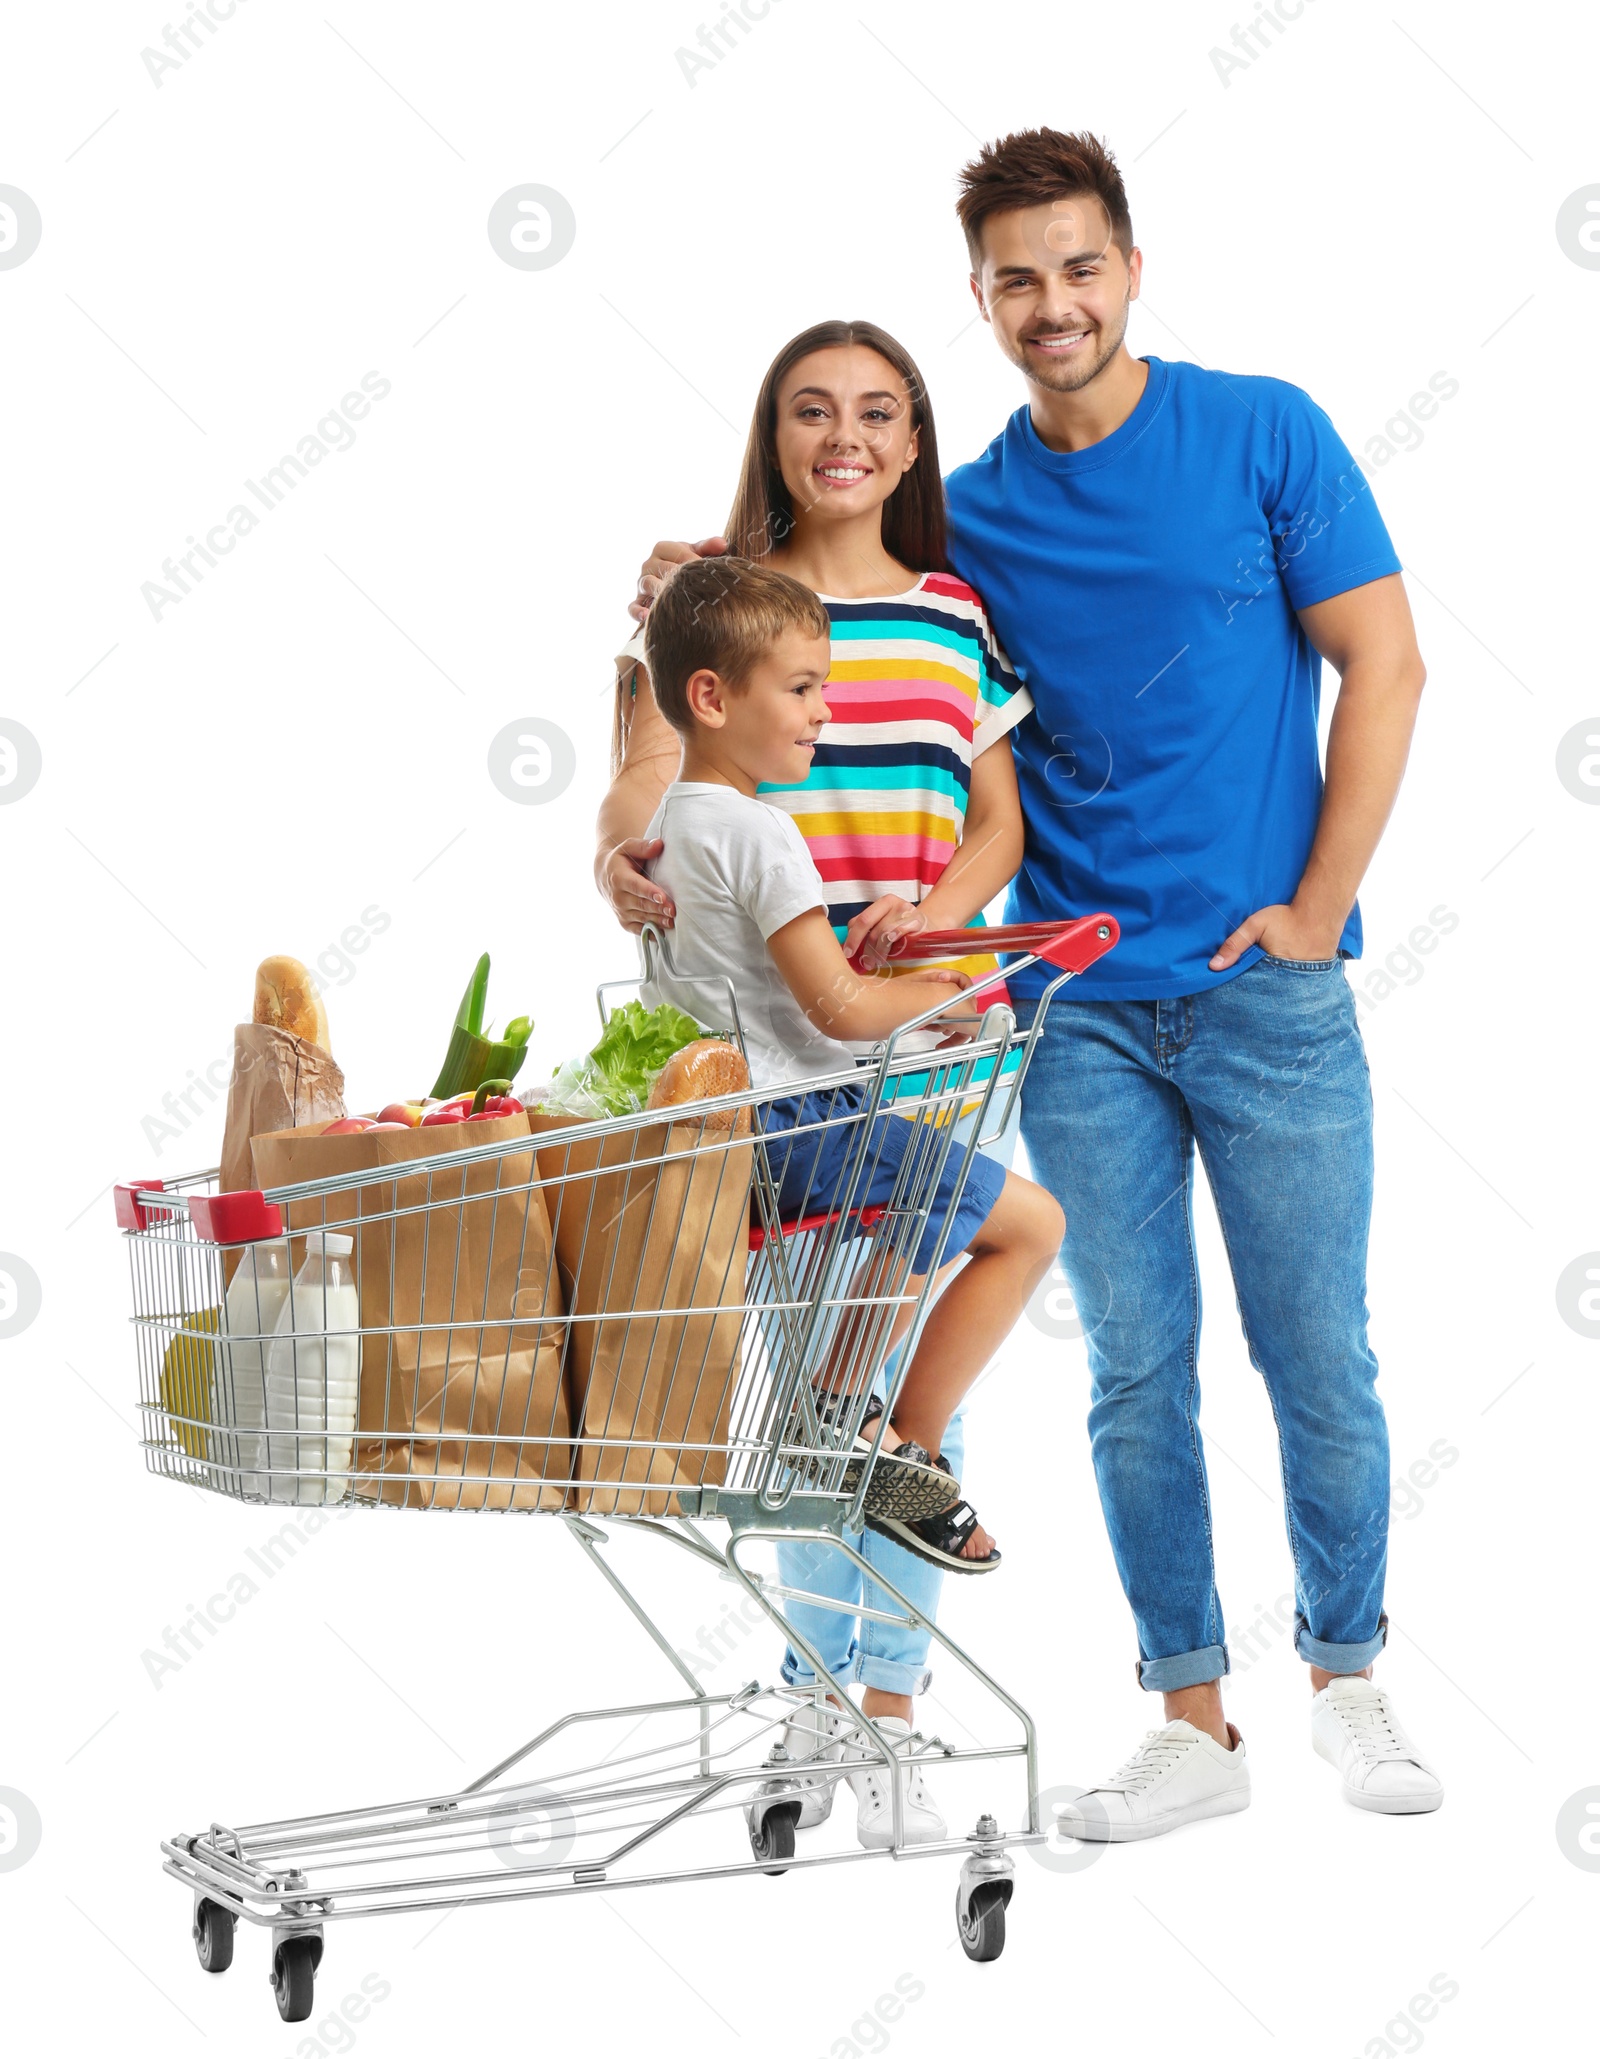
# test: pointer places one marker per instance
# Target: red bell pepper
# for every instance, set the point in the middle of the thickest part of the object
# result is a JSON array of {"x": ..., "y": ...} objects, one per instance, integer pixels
[{"x": 494, "y": 1098}]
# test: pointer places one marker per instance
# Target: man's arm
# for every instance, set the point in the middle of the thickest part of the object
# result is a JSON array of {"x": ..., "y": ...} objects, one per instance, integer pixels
[
  {"x": 653, "y": 572},
  {"x": 1368, "y": 636},
  {"x": 842, "y": 1003}
]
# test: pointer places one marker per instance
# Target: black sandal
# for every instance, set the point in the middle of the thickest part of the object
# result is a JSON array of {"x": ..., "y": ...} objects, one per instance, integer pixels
[
  {"x": 938, "y": 1538},
  {"x": 906, "y": 1485}
]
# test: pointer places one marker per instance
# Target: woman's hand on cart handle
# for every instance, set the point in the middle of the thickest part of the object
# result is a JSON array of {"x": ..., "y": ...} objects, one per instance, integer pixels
[
  {"x": 1071, "y": 945},
  {"x": 657, "y": 568},
  {"x": 635, "y": 899},
  {"x": 870, "y": 939}
]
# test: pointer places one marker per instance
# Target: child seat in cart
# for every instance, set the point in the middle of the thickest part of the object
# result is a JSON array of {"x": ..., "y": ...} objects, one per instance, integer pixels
[{"x": 607, "y": 1323}]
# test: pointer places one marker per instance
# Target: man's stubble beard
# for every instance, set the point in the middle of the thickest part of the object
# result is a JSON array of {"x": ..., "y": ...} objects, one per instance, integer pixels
[{"x": 1072, "y": 377}]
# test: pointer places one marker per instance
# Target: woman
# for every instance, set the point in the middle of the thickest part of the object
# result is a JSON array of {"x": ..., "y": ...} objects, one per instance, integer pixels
[{"x": 911, "y": 814}]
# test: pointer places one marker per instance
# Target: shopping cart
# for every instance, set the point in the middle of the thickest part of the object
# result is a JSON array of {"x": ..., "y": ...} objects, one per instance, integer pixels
[{"x": 539, "y": 1329}]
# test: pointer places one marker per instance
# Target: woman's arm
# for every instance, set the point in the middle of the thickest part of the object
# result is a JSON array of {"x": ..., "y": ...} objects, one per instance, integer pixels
[
  {"x": 985, "y": 860},
  {"x": 990, "y": 850},
  {"x": 650, "y": 757}
]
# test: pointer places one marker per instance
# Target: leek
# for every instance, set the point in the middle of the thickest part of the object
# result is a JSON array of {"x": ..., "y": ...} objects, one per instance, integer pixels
[{"x": 474, "y": 1057}]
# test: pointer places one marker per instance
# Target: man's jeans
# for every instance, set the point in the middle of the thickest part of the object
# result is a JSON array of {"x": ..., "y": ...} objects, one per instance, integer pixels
[
  {"x": 1266, "y": 1073},
  {"x": 892, "y": 1657}
]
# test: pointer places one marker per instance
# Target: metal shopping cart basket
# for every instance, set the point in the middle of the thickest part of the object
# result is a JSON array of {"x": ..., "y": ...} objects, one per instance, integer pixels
[{"x": 502, "y": 1287}]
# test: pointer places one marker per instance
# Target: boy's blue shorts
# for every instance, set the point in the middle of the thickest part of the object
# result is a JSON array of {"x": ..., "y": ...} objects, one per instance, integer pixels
[{"x": 812, "y": 1170}]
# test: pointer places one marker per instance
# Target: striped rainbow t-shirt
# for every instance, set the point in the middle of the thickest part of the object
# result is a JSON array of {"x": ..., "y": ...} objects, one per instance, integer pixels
[{"x": 918, "y": 687}]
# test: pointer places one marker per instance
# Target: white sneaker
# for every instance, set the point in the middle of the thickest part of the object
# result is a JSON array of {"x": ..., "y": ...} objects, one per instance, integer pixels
[
  {"x": 1354, "y": 1727},
  {"x": 921, "y": 1822},
  {"x": 1178, "y": 1775},
  {"x": 815, "y": 1736}
]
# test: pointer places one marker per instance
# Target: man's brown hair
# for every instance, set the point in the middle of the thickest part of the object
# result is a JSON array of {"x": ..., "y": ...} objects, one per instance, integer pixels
[
  {"x": 1034, "y": 167},
  {"x": 720, "y": 615}
]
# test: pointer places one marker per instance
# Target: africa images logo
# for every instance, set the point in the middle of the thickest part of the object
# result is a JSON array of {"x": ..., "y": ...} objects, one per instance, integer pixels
[{"x": 335, "y": 432}]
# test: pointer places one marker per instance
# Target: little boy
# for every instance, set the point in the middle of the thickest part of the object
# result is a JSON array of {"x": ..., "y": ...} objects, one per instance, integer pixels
[{"x": 737, "y": 656}]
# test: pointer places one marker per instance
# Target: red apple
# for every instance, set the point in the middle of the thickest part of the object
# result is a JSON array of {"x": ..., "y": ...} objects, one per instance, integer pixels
[
  {"x": 389, "y": 1126},
  {"x": 408, "y": 1114},
  {"x": 351, "y": 1126}
]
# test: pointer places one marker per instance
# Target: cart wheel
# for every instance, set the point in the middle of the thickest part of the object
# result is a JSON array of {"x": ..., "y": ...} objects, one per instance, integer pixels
[
  {"x": 213, "y": 1936},
  {"x": 982, "y": 1925},
  {"x": 773, "y": 1836},
  {"x": 294, "y": 1968}
]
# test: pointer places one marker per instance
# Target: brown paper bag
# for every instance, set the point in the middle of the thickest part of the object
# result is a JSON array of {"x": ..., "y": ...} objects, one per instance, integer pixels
[
  {"x": 278, "y": 1082},
  {"x": 437, "y": 1256},
  {"x": 635, "y": 1235}
]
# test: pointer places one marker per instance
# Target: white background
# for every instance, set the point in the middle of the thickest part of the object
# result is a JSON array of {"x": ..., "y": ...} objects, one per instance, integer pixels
[{"x": 303, "y": 738}]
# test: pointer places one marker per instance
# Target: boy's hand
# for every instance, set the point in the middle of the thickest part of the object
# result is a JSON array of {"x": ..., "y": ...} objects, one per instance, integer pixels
[
  {"x": 635, "y": 899},
  {"x": 844, "y": 1003},
  {"x": 870, "y": 934},
  {"x": 658, "y": 567},
  {"x": 962, "y": 1020}
]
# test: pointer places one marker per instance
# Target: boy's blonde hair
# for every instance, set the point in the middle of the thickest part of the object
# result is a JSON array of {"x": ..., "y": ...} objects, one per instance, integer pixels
[{"x": 720, "y": 615}]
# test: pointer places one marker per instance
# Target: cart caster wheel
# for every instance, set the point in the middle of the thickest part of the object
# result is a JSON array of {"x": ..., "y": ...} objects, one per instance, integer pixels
[
  {"x": 773, "y": 1836},
  {"x": 213, "y": 1936},
  {"x": 294, "y": 1969},
  {"x": 982, "y": 1925}
]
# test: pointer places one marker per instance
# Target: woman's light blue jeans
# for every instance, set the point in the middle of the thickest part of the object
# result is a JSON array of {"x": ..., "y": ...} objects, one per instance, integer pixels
[{"x": 892, "y": 1657}]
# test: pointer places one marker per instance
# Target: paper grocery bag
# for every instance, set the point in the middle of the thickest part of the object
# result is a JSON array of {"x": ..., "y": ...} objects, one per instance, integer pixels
[
  {"x": 279, "y": 1081},
  {"x": 638, "y": 1230},
  {"x": 461, "y": 1312}
]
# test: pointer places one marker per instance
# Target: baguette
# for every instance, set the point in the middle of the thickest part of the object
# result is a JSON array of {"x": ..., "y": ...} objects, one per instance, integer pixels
[
  {"x": 287, "y": 998},
  {"x": 700, "y": 1072}
]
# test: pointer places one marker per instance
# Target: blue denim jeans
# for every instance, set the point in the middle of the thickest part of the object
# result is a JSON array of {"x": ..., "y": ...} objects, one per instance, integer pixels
[
  {"x": 890, "y": 1656},
  {"x": 1267, "y": 1075}
]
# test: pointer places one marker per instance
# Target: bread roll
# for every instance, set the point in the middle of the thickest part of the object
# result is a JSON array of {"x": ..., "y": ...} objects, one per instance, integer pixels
[
  {"x": 287, "y": 998},
  {"x": 700, "y": 1072}
]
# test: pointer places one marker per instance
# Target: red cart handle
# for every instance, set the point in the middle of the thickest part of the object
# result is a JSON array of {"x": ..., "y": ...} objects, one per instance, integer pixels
[
  {"x": 1072, "y": 946},
  {"x": 132, "y": 1214},
  {"x": 242, "y": 1216}
]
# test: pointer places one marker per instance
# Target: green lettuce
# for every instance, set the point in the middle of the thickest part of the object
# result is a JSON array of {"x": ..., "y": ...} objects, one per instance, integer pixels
[{"x": 615, "y": 1078}]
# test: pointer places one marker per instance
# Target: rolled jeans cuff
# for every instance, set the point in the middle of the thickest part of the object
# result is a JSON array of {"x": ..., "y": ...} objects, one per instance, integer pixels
[
  {"x": 889, "y": 1676},
  {"x": 892, "y": 1676},
  {"x": 1186, "y": 1669},
  {"x": 1339, "y": 1658},
  {"x": 796, "y": 1671}
]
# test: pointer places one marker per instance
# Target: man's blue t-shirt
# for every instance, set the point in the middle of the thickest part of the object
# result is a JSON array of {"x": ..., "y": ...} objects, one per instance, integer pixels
[{"x": 1145, "y": 589}]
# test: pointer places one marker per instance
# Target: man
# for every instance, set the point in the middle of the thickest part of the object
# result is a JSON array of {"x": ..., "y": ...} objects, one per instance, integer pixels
[{"x": 1168, "y": 554}]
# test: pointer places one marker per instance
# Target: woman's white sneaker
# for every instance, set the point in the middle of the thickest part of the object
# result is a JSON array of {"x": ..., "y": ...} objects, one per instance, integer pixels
[
  {"x": 1354, "y": 1727},
  {"x": 1178, "y": 1775},
  {"x": 921, "y": 1820},
  {"x": 815, "y": 1736}
]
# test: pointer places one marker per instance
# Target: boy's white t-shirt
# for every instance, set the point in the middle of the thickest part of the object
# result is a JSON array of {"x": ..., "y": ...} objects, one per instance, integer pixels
[{"x": 738, "y": 870}]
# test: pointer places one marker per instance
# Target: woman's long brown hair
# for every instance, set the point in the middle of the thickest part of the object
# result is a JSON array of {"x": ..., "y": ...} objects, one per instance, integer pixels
[
  {"x": 763, "y": 513},
  {"x": 913, "y": 515}
]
